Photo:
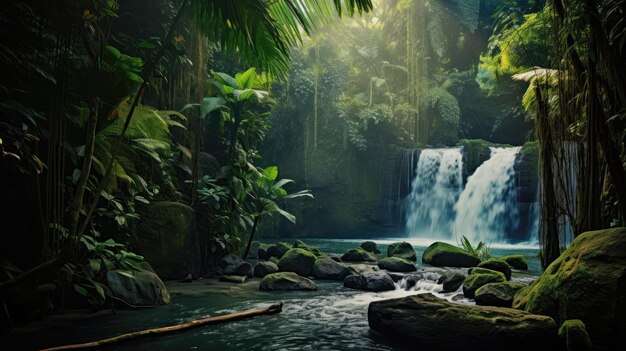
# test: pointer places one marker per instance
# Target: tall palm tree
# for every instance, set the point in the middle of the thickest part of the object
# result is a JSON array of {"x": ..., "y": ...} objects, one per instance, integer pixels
[{"x": 262, "y": 31}]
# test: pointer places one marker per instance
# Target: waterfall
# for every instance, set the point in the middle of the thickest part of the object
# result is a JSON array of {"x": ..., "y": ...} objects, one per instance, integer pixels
[
  {"x": 487, "y": 208},
  {"x": 435, "y": 189}
]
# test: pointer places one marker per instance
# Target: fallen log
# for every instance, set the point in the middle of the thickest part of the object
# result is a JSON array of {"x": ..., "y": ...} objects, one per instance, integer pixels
[{"x": 276, "y": 308}]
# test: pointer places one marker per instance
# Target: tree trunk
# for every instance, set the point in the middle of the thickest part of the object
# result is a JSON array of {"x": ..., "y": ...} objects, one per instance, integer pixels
[
  {"x": 254, "y": 225},
  {"x": 77, "y": 202},
  {"x": 549, "y": 234},
  {"x": 273, "y": 309}
]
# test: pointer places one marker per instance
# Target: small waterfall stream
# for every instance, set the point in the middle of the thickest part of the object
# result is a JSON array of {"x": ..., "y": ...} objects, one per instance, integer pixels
[
  {"x": 487, "y": 208},
  {"x": 435, "y": 189}
]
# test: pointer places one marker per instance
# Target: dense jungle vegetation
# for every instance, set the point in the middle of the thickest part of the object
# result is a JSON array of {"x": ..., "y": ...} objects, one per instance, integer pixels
[{"x": 165, "y": 135}]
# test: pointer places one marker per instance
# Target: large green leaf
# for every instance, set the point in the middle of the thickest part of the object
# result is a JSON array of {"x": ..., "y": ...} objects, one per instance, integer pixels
[
  {"x": 211, "y": 104},
  {"x": 246, "y": 79},
  {"x": 270, "y": 173}
]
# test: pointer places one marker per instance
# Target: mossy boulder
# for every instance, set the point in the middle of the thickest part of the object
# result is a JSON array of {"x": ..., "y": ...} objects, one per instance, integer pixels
[
  {"x": 499, "y": 266},
  {"x": 477, "y": 280},
  {"x": 370, "y": 246},
  {"x": 451, "y": 281},
  {"x": 497, "y": 294},
  {"x": 476, "y": 270},
  {"x": 264, "y": 268},
  {"x": 274, "y": 260},
  {"x": 446, "y": 255},
  {"x": 370, "y": 281},
  {"x": 299, "y": 261},
  {"x": 359, "y": 255},
  {"x": 403, "y": 250},
  {"x": 277, "y": 250},
  {"x": 168, "y": 239},
  {"x": 587, "y": 282},
  {"x": 396, "y": 264},
  {"x": 230, "y": 260},
  {"x": 138, "y": 288},
  {"x": 515, "y": 261},
  {"x": 574, "y": 334},
  {"x": 426, "y": 322},
  {"x": 286, "y": 281},
  {"x": 327, "y": 268}
]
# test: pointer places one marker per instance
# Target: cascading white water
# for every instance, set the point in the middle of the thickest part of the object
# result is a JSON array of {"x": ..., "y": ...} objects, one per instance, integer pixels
[
  {"x": 435, "y": 189},
  {"x": 487, "y": 208}
]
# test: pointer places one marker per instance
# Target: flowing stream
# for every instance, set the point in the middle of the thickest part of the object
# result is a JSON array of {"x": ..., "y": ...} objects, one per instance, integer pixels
[{"x": 331, "y": 318}]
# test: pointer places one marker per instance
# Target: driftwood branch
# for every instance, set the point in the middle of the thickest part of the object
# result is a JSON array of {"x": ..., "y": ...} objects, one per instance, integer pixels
[{"x": 276, "y": 308}]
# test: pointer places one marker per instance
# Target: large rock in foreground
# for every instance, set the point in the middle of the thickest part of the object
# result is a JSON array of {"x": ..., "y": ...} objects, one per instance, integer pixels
[
  {"x": 327, "y": 268},
  {"x": 446, "y": 255},
  {"x": 286, "y": 281},
  {"x": 402, "y": 250},
  {"x": 299, "y": 261},
  {"x": 587, "y": 282},
  {"x": 138, "y": 288},
  {"x": 429, "y": 323},
  {"x": 370, "y": 281},
  {"x": 396, "y": 264}
]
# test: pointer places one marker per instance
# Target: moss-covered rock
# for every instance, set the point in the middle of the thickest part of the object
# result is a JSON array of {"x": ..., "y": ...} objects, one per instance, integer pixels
[
  {"x": 515, "y": 261},
  {"x": 587, "y": 282},
  {"x": 574, "y": 334},
  {"x": 451, "y": 281},
  {"x": 444, "y": 254},
  {"x": 277, "y": 250},
  {"x": 497, "y": 294},
  {"x": 138, "y": 288},
  {"x": 286, "y": 281},
  {"x": 396, "y": 264},
  {"x": 168, "y": 238},
  {"x": 425, "y": 322},
  {"x": 264, "y": 268},
  {"x": 496, "y": 265},
  {"x": 359, "y": 255},
  {"x": 274, "y": 260},
  {"x": 327, "y": 268},
  {"x": 370, "y": 246},
  {"x": 230, "y": 260},
  {"x": 299, "y": 261},
  {"x": 363, "y": 268},
  {"x": 476, "y": 280},
  {"x": 370, "y": 281},
  {"x": 402, "y": 250},
  {"x": 476, "y": 270}
]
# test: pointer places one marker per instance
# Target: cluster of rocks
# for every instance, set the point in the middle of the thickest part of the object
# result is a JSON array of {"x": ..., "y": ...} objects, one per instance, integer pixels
[{"x": 582, "y": 292}]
